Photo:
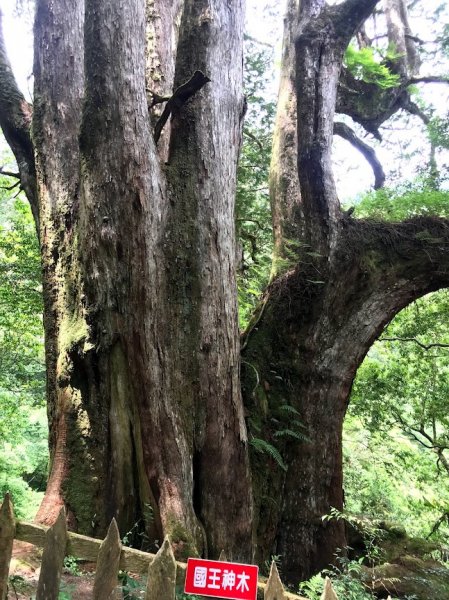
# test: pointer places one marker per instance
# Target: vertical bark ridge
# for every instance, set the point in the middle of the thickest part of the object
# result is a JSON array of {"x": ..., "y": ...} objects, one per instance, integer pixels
[
  {"x": 399, "y": 37},
  {"x": 58, "y": 71},
  {"x": 285, "y": 198},
  {"x": 201, "y": 175},
  {"x": 122, "y": 228},
  {"x": 320, "y": 45}
]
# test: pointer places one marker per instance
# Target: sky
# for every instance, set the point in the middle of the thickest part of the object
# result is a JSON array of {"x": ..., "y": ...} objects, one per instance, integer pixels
[{"x": 19, "y": 43}]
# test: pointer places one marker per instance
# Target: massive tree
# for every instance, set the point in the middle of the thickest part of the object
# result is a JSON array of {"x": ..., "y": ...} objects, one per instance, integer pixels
[{"x": 134, "y": 208}]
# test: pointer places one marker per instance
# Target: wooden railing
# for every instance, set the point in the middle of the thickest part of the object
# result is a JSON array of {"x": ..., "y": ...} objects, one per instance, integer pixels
[{"x": 164, "y": 573}]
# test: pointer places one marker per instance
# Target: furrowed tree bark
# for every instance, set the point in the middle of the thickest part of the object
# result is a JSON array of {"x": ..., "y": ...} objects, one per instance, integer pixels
[
  {"x": 285, "y": 200},
  {"x": 145, "y": 409},
  {"x": 162, "y": 32},
  {"x": 204, "y": 341},
  {"x": 306, "y": 360},
  {"x": 58, "y": 71}
]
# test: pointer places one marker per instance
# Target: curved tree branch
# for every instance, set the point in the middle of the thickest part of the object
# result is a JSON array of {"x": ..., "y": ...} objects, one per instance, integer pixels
[
  {"x": 412, "y": 108},
  {"x": 416, "y": 341},
  {"x": 349, "y": 135},
  {"x": 15, "y": 121},
  {"x": 350, "y": 15}
]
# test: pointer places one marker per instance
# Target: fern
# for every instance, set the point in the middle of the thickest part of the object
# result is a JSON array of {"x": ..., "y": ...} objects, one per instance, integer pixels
[
  {"x": 291, "y": 433},
  {"x": 363, "y": 65},
  {"x": 289, "y": 409},
  {"x": 264, "y": 447}
]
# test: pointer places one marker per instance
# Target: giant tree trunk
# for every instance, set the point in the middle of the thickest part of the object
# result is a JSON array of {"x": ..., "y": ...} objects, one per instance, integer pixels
[
  {"x": 145, "y": 409},
  {"x": 321, "y": 315}
]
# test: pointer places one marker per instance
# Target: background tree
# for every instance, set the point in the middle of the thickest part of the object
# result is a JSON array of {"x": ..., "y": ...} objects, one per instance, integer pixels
[{"x": 138, "y": 250}]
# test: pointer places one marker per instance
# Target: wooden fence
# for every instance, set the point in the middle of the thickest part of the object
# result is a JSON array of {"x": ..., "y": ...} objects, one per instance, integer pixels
[{"x": 163, "y": 573}]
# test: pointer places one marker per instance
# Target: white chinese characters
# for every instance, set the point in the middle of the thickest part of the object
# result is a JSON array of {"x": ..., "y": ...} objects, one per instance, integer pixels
[{"x": 213, "y": 578}]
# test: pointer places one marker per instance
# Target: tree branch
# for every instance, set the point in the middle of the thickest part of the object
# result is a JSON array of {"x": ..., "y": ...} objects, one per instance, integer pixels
[
  {"x": 179, "y": 98},
  {"x": 15, "y": 121},
  {"x": 429, "y": 79},
  {"x": 10, "y": 187},
  {"x": 420, "y": 344},
  {"x": 9, "y": 173},
  {"x": 350, "y": 15},
  {"x": 156, "y": 98},
  {"x": 436, "y": 525},
  {"x": 410, "y": 106},
  {"x": 349, "y": 135}
]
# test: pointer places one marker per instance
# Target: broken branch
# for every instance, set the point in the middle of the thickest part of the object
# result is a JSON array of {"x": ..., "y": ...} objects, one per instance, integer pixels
[{"x": 183, "y": 93}]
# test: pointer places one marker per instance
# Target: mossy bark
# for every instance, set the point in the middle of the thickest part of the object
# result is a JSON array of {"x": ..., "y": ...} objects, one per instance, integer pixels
[
  {"x": 145, "y": 408},
  {"x": 319, "y": 317}
]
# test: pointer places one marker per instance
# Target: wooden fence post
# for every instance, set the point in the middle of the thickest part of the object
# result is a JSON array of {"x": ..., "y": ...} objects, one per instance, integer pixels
[
  {"x": 7, "y": 531},
  {"x": 53, "y": 559},
  {"x": 275, "y": 589},
  {"x": 106, "y": 576},
  {"x": 328, "y": 592},
  {"x": 161, "y": 582}
]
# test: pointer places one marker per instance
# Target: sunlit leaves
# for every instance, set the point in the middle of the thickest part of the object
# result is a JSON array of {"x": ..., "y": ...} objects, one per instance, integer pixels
[
  {"x": 363, "y": 65},
  {"x": 400, "y": 415},
  {"x": 23, "y": 427}
]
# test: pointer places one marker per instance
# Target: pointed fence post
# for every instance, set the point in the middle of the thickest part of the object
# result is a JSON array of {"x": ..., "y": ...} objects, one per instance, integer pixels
[
  {"x": 223, "y": 557},
  {"x": 7, "y": 531},
  {"x": 162, "y": 574},
  {"x": 106, "y": 576},
  {"x": 328, "y": 592},
  {"x": 53, "y": 559},
  {"x": 274, "y": 589}
]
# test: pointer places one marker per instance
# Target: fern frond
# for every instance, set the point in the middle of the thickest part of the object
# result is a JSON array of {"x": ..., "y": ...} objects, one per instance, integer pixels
[
  {"x": 289, "y": 409},
  {"x": 264, "y": 447},
  {"x": 291, "y": 433}
]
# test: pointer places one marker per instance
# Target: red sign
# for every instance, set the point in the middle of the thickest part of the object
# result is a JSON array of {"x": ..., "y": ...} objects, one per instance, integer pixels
[{"x": 221, "y": 579}]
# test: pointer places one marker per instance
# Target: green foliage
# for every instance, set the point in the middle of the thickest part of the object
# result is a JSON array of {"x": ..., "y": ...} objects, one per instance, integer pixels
[
  {"x": 132, "y": 587},
  {"x": 345, "y": 580},
  {"x": 282, "y": 426},
  {"x": 397, "y": 432},
  {"x": 363, "y": 65},
  {"x": 439, "y": 132},
  {"x": 71, "y": 565},
  {"x": 23, "y": 428},
  {"x": 253, "y": 218},
  {"x": 263, "y": 446},
  {"x": 404, "y": 202}
]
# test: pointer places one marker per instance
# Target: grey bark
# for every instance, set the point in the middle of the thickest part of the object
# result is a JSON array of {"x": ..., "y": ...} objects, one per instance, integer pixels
[{"x": 144, "y": 401}]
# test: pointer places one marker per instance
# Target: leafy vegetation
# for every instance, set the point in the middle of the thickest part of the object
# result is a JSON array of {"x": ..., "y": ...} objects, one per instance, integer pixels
[
  {"x": 398, "y": 429},
  {"x": 404, "y": 202},
  {"x": 23, "y": 428},
  {"x": 363, "y": 65},
  {"x": 253, "y": 220}
]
